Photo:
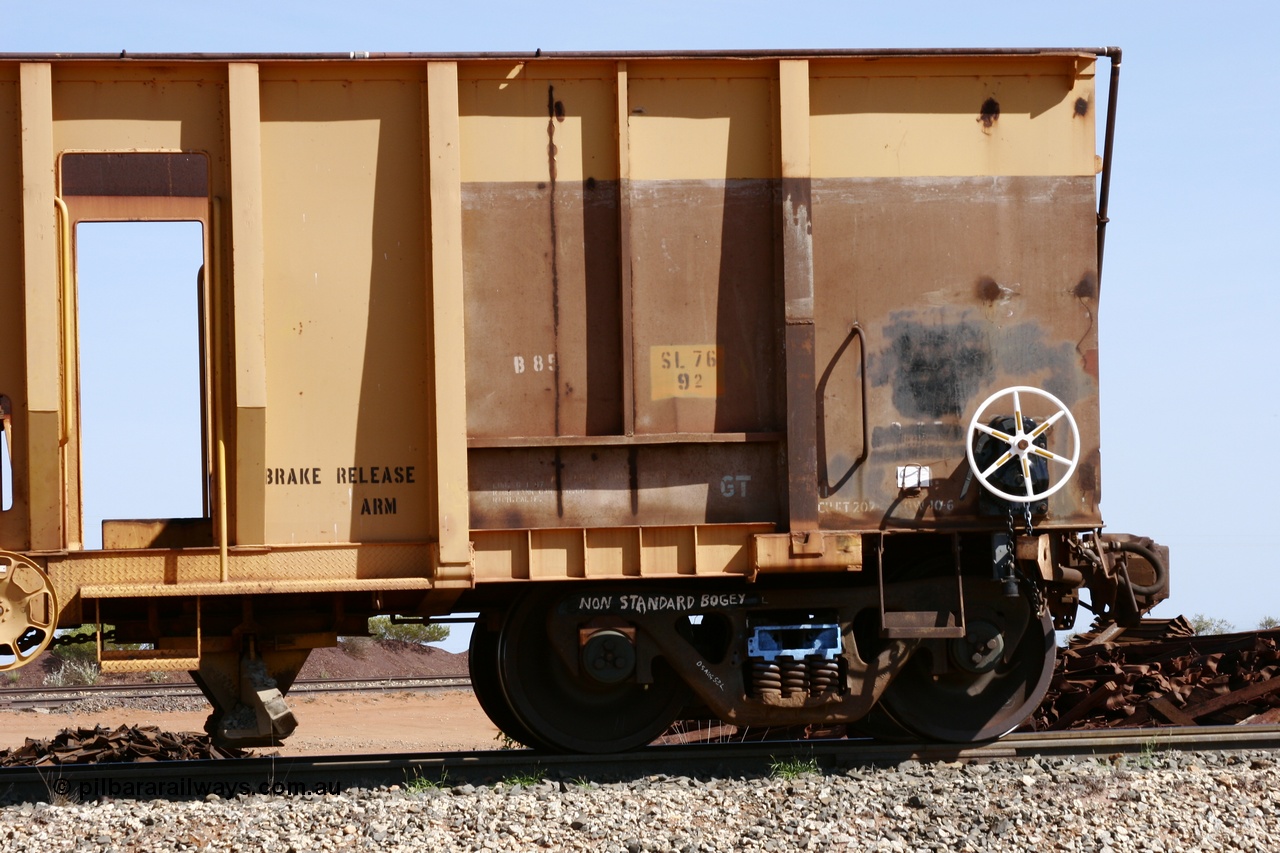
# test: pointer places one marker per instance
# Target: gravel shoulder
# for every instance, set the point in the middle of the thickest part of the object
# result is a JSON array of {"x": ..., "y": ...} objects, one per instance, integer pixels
[{"x": 1161, "y": 802}]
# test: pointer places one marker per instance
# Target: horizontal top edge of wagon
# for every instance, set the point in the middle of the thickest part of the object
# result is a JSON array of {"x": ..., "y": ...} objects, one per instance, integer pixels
[{"x": 1114, "y": 53}]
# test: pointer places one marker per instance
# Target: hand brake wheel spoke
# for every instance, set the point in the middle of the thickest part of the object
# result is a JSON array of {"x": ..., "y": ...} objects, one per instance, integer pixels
[{"x": 996, "y": 465}]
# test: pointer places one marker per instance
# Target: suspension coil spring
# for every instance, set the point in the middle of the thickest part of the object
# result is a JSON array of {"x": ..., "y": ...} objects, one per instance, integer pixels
[
  {"x": 824, "y": 675},
  {"x": 795, "y": 677},
  {"x": 766, "y": 678}
]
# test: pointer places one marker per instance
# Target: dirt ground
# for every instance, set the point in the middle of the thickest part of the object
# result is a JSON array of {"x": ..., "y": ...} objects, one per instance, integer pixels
[
  {"x": 352, "y": 658},
  {"x": 328, "y": 724}
]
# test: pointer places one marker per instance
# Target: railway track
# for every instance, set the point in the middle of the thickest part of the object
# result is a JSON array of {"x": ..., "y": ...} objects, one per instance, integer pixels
[
  {"x": 296, "y": 775},
  {"x": 17, "y": 699}
]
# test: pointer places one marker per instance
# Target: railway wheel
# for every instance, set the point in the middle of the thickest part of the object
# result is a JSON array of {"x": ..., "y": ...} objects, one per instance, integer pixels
[
  {"x": 573, "y": 712},
  {"x": 28, "y": 611},
  {"x": 486, "y": 682},
  {"x": 980, "y": 691}
]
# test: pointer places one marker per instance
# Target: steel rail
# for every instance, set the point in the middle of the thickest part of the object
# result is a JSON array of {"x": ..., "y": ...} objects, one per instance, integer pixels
[{"x": 177, "y": 780}]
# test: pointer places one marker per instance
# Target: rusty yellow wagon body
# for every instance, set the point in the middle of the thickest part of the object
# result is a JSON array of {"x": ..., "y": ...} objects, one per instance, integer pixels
[{"x": 763, "y": 383}]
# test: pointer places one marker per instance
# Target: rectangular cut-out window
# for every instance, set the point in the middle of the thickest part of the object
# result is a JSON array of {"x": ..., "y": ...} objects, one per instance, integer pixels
[{"x": 140, "y": 388}]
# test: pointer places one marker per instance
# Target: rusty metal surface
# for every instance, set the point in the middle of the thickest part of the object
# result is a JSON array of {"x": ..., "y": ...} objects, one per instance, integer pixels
[
  {"x": 125, "y": 743},
  {"x": 703, "y": 279},
  {"x": 135, "y": 174},
  {"x": 543, "y": 308},
  {"x": 1136, "y": 680},
  {"x": 717, "y": 482},
  {"x": 951, "y": 312}
]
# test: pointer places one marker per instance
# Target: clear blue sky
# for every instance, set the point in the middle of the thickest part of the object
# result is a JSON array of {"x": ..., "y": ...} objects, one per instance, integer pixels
[{"x": 1189, "y": 296}]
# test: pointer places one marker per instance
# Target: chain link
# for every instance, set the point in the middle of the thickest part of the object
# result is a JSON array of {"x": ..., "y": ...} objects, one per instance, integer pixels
[
  {"x": 1029, "y": 587},
  {"x": 78, "y": 639}
]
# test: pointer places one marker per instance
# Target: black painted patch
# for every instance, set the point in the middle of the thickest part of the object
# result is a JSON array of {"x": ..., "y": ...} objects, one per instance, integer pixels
[{"x": 935, "y": 369}]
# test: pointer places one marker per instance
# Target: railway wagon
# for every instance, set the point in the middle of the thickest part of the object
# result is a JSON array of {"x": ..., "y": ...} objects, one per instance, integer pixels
[{"x": 759, "y": 386}]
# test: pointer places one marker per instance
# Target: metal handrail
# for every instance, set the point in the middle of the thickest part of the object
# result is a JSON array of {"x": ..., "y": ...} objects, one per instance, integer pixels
[
  {"x": 67, "y": 274},
  {"x": 220, "y": 441}
]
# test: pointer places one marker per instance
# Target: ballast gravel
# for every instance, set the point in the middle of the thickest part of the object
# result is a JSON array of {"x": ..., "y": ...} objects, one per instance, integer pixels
[{"x": 1166, "y": 801}]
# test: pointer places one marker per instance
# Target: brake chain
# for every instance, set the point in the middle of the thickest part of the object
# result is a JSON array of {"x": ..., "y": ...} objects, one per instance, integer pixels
[
  {"x": 78, "y": 639},
  {"x": 1030, "y": 588}
]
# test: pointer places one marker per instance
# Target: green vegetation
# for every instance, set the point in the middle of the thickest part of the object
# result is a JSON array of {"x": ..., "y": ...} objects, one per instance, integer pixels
[
  {"x": 792, "y": 767},
  {"x": 1146, "y": 758},
  {"x": 526, "y": 780},
  {"x": 421, "y": 784},
  {"x": 78, "y": 662},
  {"x": 1203, "y": 625},
  {"x": 1208, "y": 625},
  {"x": 85, "y": 651},
  {"x": 74, "y": 673},
  {"x": 506, "y": 741},
  {"x": 357, "y": 647},
  {"x": 382, "y": 628}
]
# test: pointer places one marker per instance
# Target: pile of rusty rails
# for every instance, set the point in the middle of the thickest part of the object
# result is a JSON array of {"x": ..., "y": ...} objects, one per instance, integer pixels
[
  {"x": 100, "y": 745},
  {"x": 1174, "y": 678}
]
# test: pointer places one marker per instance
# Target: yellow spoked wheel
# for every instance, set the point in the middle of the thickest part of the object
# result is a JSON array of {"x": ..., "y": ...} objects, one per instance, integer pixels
[{"x": 28, "y": 611}]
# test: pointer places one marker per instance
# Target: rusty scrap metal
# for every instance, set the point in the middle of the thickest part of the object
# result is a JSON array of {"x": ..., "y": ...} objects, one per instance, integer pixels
[
  {"x": 125, "y": 743},
  {"x": 1160, "y": 674}
]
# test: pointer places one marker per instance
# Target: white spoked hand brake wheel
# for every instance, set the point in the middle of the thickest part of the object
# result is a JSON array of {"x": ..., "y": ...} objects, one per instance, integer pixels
[{"x": 1020, "y": 445}]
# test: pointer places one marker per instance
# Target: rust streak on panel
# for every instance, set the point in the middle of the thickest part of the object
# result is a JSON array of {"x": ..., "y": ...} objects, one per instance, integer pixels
[
  {"x": 624, "y": 254},
  {"x": 555, "y": 112}
]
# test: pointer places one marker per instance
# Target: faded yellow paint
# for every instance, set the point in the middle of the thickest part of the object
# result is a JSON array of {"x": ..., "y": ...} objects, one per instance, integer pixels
[
  {"x": 889, "y": 118},
  {"x": 139, "y": 109},
  {"x": 449, "y": 380},
  {"x": 41, "y": 251},
  {"x": 707, "y": 128},
  {"x": 248, "y": 294},
  {"x": 616, "y": 552},
  {"x": 509, "y": 126},
  {"x": 41, "y": 240},
  {"x": 793, "y": 107},
  {"x": 345, "y": 308}
]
